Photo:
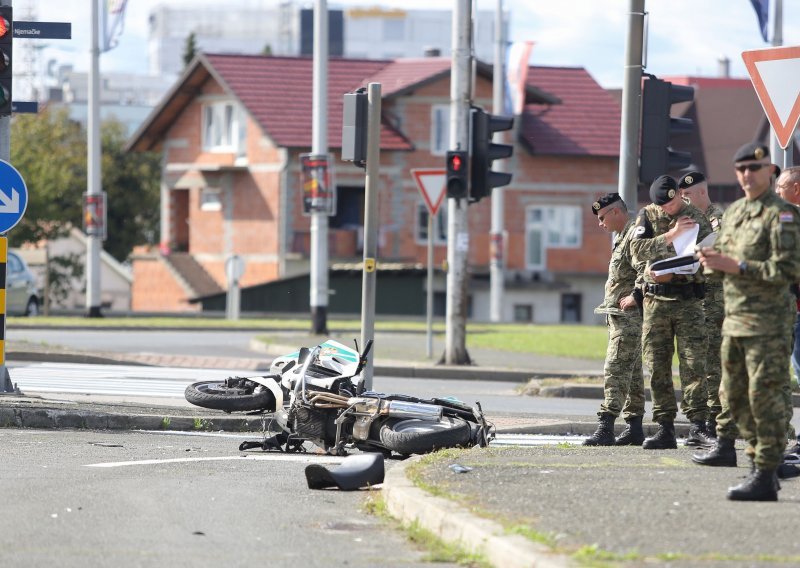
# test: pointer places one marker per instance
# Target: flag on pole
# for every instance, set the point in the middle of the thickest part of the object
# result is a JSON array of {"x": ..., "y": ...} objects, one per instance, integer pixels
[
  {"x": 517, "y": 55},
  {"x": 762, "y": 11},
  {"x": 112, "y": 14}
]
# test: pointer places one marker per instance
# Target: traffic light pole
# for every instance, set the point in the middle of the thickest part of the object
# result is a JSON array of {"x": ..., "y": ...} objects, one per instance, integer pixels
[
  {"x": 319, "y": 145},
  {"x": 457, "y": 225},
  {"x": 94, "y": 181},
  {"x": 496, "y": 248},
  {"x": 5, "y": 154},
  {"x": 631, "y": 108}
]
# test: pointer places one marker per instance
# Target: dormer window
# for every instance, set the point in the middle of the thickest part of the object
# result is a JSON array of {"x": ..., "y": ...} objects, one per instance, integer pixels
[{"x": 223, "y": 127}]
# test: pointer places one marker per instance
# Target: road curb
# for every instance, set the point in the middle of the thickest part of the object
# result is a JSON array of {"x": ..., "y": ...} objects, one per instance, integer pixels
[{"x": 453, "y": 523}]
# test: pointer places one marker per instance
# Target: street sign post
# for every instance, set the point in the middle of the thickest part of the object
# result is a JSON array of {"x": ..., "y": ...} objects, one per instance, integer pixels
[
  {"x": 13, "y": 202},
  {"x": 775, "y": 73},
  {"x": 432, "y": 184}
]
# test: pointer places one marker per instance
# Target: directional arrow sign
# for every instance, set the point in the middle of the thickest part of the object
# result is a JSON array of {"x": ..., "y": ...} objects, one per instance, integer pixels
[
  {"x": 431, "y": 184},
  {"x": 13, "y": 197},
  {"x": 775, "y": 73}
]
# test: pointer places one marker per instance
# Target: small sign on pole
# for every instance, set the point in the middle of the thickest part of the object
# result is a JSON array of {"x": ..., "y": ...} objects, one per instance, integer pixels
[
  {"x": 94, "y": 215},
  {"x": 319, "y": 191}
]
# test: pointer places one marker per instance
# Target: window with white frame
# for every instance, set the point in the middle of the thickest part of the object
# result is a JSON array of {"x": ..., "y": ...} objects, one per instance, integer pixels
[
  {"x": 550, "y": 226},
  {"x": 223, "y": 127},
  {"x": 210, "y": 199},
  {"x": 440, "y": 129},
  {"x": 439, "y": 225}
]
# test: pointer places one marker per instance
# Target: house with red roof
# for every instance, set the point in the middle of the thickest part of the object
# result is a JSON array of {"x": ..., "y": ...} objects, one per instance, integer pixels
[{"x": 231, "y": 132}]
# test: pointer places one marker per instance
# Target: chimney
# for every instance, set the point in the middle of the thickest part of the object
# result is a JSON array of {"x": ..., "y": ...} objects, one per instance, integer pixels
[
  {"x": 723, "y": 67},
  {"x": 432, "y": 52}
]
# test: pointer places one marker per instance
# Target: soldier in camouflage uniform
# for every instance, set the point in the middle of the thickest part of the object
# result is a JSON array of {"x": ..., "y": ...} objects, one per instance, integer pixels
[
  {"x": 694, "y": 190},
  {"x": 758, "y": 253},
  {"x": 673, "y": 310},
  {"x": 623, "y": 365}
]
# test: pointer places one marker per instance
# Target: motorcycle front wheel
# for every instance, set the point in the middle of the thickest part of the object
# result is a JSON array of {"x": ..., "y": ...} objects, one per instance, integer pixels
[
  {"x": 230, "y": 396},
  {"x": 414, "y": 436}
]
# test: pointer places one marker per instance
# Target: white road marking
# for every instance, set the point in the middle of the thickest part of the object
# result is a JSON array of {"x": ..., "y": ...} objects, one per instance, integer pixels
[{"x": 320, "y": 459}]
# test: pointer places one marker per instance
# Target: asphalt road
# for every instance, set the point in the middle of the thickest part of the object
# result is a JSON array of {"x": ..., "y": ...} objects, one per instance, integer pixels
[{"x": 78, "y": 498}]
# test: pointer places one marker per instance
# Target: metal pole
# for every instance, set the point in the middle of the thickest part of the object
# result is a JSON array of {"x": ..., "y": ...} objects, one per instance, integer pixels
[
  {"x": 779, "y": 156},
  {"x": 497, "y": 262},
  {"x": 631, "y": 108},
  {"x": 319, "y": 131},
  {"x": 94, "y": 180},
  {"x": 457, "y": 225},
  {"x": 371, "y": 225},
  {"x": 429, "y": 303}
]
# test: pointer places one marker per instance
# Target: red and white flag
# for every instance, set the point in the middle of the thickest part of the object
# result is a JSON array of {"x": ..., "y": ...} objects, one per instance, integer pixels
[
  {"x": 112, "y": 14},
  {"x": 517, "y": 55}
]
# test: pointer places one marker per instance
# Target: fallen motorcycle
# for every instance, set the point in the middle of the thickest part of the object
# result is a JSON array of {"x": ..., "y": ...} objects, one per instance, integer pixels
[{"x": 318, "y": 395}]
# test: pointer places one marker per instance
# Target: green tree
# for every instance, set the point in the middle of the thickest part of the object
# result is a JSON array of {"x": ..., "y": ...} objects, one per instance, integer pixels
[
  {"x": 132, "y": 182},
  {"x": 189, "y": 49},
  {"x": 49, "y": 150}
]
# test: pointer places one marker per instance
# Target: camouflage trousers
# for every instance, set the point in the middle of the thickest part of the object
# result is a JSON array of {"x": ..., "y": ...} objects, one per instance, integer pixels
[
  {"x": 666, "y": 321},
  {"x": 714, "y": 309},
  {"x": 755, "y": 376},
  {"x": 623, "y": 367}
]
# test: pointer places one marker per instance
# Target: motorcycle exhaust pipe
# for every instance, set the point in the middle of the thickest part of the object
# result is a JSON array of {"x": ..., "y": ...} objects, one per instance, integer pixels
[{"x": 402, "y": 409}]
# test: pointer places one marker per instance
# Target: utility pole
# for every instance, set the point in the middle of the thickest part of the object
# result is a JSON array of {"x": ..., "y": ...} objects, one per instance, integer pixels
[
  {"x": 457, "y": 222},
  {"x": 631, "y": 108},
  {"x": 319, "y": 146},
  {"x": 496, "y": 242},
  {"x": 94, "y": 180}
]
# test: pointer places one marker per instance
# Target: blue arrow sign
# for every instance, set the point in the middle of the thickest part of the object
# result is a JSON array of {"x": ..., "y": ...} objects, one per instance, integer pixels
[{"x": 13, "y": 197}]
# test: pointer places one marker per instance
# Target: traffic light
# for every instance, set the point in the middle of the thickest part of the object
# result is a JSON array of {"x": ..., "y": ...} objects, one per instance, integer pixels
[
  {"x": 457, "y": 170},
  {"x": 484, "y": 152},
  {"x": 6, "y": 35},
  {"x": 658, "y": 127}
]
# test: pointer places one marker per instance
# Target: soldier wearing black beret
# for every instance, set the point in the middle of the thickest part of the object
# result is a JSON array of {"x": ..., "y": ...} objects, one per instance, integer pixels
[
  {"x": 693, "y": 188},
  {"x": 672, "y": 307},
  {"x": 758, "y": 255},
  {"x": 622, "y": 370}
]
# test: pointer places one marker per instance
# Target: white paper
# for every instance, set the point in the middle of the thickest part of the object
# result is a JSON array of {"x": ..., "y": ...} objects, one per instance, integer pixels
[{"x": 684, "y": 243}]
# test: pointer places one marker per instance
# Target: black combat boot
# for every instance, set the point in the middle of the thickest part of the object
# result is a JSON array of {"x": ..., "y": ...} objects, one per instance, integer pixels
[
  {"x": 604, "y": 435},
  {"x": 723, "y": 454},
  {"x": 633, "y": 435},
  {"x": 697, "y": 435},
  {"x": 663, "y": 439},
  {"x": 711, "y": 427},
  {"x": 761, "y": 486}
]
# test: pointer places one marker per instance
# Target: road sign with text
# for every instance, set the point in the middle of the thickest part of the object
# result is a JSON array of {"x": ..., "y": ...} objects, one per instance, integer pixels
[
  {"x": 432, "y": 184},
  {"x": 775, "y": 73}
]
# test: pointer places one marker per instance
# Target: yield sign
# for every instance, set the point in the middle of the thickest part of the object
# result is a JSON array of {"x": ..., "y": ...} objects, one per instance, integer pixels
[
  {"x": 775, "y": 73},
  {"x": 431, "y": 184}
]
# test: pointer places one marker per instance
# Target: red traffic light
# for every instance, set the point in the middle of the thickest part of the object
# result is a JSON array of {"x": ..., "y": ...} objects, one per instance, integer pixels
[
  {"x": 5, "y": 27},
  {"x": 455, "y": 163}
]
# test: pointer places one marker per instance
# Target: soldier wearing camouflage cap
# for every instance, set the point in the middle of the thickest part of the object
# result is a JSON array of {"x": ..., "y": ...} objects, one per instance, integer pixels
[
  {"x": 622, "y": 371},
  {"x": 758, "y": 253}
]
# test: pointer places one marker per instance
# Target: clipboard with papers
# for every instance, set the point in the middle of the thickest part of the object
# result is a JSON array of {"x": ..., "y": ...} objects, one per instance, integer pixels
[{"x": 685, "y": 262}]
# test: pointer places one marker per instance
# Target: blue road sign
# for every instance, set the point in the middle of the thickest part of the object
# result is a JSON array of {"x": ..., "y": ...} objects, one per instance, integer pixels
[
  {"x": 13, "y": 196},
  {"x": 24, "y": 106}
]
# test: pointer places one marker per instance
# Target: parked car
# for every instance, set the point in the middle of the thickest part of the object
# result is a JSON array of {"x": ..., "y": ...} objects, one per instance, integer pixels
[{"x": 22, "y": 293}]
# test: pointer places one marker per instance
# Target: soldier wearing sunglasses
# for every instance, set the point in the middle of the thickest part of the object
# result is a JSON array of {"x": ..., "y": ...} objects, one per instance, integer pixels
[{"x": 758, "y": 252}]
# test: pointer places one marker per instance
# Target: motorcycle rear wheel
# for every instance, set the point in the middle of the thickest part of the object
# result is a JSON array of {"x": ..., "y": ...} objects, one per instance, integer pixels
[
  {"x": 414, "y": 436},
  {"x": 218, "y": 396}
]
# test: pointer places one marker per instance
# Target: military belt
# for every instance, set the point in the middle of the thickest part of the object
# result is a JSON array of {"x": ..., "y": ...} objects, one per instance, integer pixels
[{"x": 688, "y": 291}]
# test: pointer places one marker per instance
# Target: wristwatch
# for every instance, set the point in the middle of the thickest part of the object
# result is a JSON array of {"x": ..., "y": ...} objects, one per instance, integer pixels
[{"x": 742, "y": 267}]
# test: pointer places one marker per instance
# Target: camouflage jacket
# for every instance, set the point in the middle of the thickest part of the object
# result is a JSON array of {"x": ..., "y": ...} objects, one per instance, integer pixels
[
  {"x": 622, "y": 269},
  {"x": 765, "y": 234},
  {"x": 649, "y": 244},
  {"x": 714, "y": 215}
]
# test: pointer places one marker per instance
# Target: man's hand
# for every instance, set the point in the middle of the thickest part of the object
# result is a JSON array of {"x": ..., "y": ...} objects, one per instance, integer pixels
[
  {"x": 714, "y": 260},
  {"x": 682, "y": 225},
  {"x": 627, "y": 302}
]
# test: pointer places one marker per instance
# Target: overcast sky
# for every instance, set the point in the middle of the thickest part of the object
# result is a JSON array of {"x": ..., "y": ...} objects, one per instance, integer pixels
[{"x": 685, "y": 36}]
